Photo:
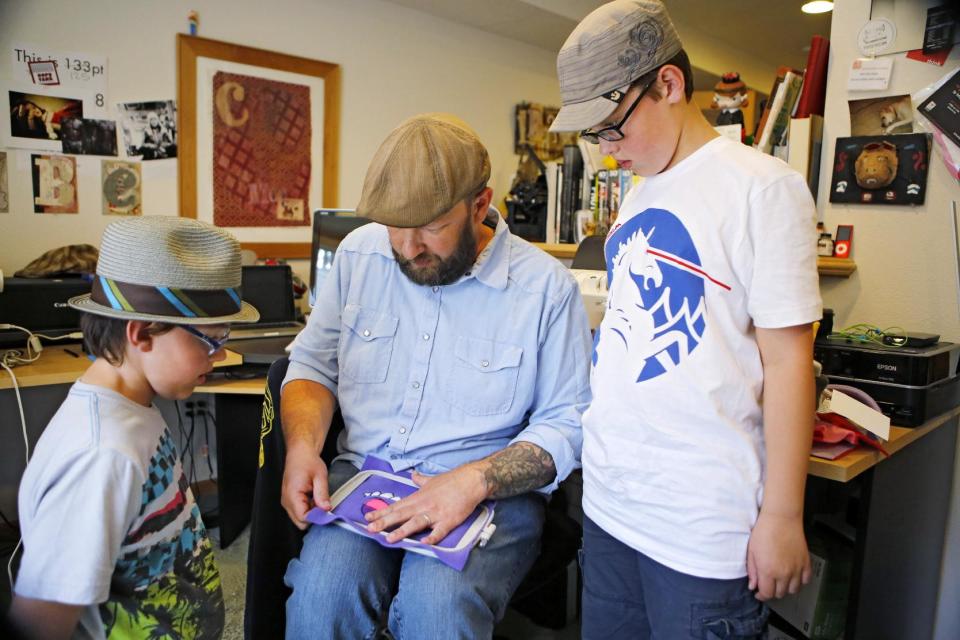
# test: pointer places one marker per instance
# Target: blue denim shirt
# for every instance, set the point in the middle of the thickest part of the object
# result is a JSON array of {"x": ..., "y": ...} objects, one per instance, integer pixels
[{"x": 435, "y": 377}]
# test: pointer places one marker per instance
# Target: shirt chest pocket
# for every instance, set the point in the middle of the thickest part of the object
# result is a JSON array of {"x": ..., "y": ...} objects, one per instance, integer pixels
[
  {"x": 366, "y": 343},
  {"x": 483, "y": 378}
]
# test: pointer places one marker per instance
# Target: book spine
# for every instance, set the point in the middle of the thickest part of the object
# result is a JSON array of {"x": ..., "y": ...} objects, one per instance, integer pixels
[
  {"x": 570, "y": 202},
  {"x": 814, "y": 92}
]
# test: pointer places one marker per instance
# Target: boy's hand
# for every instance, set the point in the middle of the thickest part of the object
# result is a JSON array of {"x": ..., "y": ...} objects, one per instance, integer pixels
[
  {"x": 304, "y": 484},
  {"x": 777, "y": 559}
]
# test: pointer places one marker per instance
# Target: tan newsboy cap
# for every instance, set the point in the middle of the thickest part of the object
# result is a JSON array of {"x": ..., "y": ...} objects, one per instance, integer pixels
[{"x": 422, "y": 170}]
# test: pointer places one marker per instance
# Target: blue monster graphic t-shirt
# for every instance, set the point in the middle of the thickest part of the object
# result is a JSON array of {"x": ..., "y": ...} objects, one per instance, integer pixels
[{"x": 699, "y": 257}]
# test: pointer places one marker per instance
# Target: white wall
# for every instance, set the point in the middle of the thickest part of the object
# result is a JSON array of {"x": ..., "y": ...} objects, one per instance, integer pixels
[
  {"x": 906, "y": 266},
  {"x": 395, "y": 62}
]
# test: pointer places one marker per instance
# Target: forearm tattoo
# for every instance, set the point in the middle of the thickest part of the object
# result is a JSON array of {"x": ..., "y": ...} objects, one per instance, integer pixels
[{"x": 519, "y": 468}]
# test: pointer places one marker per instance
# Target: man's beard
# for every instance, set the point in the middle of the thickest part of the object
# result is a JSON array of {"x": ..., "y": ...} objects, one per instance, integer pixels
[{"x": 446, "y": 270}]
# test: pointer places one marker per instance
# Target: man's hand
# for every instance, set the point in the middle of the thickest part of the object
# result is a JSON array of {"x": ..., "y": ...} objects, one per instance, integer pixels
[
  {"x": 306, "y": 408},
  {"x": 777, "y": 558},
  {"x": 446, "y": 500},
  {"x": 441, "y": 504},
  {"x": 304, "y": 484}
]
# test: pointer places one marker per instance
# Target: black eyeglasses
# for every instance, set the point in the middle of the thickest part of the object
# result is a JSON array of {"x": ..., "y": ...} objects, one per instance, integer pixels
[
  {"x": 213, "y": 344},
  {"x": 613, "y": 132}
]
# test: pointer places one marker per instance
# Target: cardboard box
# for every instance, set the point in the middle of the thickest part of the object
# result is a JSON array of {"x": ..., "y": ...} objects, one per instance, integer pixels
[{"x": 819, "y": 609}]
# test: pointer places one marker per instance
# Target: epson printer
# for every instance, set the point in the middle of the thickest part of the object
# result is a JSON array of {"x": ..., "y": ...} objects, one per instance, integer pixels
[{"x": 911, "y": 384}]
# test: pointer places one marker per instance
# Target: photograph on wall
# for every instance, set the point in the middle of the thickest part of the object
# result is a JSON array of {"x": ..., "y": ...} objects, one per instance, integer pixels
[
  {"x": 532, "y": 127},
  {"x": 261, "y": 152},
  {"x": 54, "y": 183},
  {"x": 149, "y": 129},
  {"x": 881, "y": 116},
  {"x": 4, "y": 193},
  {"x": 881, "y": 169},
  {"x": 121, "y": 188},
  {"x": 40, "y": 117},
  {"x": 89, "y": 137}
]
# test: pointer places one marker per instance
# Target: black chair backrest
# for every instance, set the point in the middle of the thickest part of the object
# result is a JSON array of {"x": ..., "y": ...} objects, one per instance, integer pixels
[
  {"x": 274, "y": 540},
  {"x": 589, "y": 254}
]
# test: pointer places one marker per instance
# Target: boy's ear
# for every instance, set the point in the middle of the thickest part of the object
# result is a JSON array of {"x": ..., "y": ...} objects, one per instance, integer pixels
[
  {"x": 138, "y": 337},
  {"x": 672, "y": 78}
]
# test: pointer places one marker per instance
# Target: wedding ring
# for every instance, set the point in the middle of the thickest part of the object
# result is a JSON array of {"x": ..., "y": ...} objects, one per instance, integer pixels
[{"x": 427, "y": 518}]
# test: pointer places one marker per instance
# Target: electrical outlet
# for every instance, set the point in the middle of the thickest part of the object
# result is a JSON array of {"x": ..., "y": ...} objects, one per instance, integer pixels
[{"x": 204, "y": 450}]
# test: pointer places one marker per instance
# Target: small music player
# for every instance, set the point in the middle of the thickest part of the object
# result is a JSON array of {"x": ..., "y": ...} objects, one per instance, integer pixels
[{"x": 843, "y": 242}]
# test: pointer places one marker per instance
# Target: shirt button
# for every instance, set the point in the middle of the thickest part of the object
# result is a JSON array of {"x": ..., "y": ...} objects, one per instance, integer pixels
[
  {"x": 426, "y": 336},
  {"x": 484, "y": 363},
  {"x": 394, "y": 456},
  {"x": 435, "y": 289},
  {"x": 403, "y": 429},
  {"x": 467, "y": 273},
  {"x": 366, "y": 333},
  {"x": 415, "y": 385}
]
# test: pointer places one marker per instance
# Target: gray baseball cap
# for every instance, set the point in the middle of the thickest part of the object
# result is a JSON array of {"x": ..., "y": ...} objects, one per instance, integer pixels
[{"x": 610, "y": 48}]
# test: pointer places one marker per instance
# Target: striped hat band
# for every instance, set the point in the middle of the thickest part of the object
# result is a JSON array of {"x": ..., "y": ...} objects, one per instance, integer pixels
[{"x": 165, "y": 301}]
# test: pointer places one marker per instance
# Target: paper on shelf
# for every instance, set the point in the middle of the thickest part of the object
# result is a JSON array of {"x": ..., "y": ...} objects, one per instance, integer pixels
[{"x": 860, "y": 414}]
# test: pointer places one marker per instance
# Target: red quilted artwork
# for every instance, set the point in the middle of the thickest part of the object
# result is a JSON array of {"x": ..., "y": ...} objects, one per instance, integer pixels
[{"x": 261, "y": 152}]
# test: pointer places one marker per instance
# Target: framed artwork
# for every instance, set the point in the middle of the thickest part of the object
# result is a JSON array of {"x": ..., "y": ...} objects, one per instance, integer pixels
[
  {"x": 259, "y": 136},
  {"x": 532, "y": 127},
  {"x": 881, "y": 169}
]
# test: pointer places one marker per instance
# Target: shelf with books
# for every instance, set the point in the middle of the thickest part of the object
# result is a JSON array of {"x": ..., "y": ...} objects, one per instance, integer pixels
[
  {"x": 836, "y": 267},
  {"x": 564, "y": 251}
]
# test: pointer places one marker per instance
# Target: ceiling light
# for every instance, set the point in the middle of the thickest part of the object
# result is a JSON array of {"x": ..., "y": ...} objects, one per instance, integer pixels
[{"x": 817, "y": 6}]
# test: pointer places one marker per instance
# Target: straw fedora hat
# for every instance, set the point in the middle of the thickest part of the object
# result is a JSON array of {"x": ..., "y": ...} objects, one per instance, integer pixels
[{"x": 167, "y": 269}]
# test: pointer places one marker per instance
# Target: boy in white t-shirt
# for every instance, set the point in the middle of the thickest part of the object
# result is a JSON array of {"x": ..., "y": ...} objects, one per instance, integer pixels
[
  {"x": 696, "y": 443},
  {"x": 113, "y": 543}
]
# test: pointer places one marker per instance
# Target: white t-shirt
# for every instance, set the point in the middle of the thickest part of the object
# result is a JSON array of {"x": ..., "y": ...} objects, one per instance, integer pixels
[
  {"x": 109, "y": 521},
  {"x": 700, "y": 255}
]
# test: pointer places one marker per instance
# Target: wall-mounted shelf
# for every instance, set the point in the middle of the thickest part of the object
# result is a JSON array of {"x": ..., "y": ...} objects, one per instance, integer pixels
[{"x": 839, "y": 267}]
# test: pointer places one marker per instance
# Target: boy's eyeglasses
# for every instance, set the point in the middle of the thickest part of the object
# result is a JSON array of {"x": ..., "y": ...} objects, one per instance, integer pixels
[
  {"x": 613, "y": 133},
  {"x": 213, "y": 344}
]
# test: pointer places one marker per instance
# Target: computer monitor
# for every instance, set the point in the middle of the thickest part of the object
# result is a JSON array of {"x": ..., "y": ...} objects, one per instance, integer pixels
[{"x": 330, "y": 226}]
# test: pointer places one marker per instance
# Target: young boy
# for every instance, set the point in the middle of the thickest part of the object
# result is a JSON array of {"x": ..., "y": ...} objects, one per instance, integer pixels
[
  {"x": 696, "y": 443},
  {"x": 114, "y": 546}
]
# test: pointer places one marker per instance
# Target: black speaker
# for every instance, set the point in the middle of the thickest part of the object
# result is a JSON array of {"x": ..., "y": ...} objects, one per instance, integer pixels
[{"x": 40, "y": 305}]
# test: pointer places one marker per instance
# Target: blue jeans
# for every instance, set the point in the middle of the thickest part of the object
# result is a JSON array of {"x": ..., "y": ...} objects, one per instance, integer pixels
[
  {"x": 347, "y": 586},
  {"x": 628, "y": 595}
]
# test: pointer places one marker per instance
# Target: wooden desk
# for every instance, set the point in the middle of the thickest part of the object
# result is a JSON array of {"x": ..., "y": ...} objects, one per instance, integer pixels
[
  {"x": 900, "y": 507},
  {"x": 861, "y": 459},
  {"x": 57, "y": 366}
]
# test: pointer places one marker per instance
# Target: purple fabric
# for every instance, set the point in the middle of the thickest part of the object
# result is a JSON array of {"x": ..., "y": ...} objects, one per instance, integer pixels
[{"x": 376, "y": 492}]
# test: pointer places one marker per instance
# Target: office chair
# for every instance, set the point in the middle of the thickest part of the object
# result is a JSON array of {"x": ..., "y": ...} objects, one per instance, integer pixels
[
  {"x": 589, "y": 254},
  {"x": 544, "y": 596}
]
